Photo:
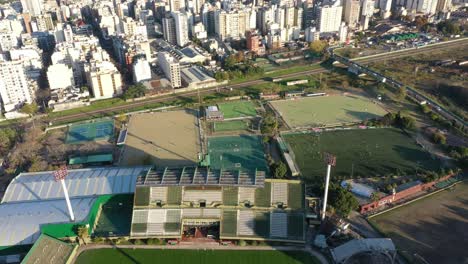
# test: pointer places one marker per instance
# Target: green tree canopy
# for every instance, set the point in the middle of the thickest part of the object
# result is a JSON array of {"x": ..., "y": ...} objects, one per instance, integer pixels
[
  {"x": 342, "y": 200},
  {"x": 29, "y": 109},
  {"x": 134, "y": 91},
  {"x": 280, "y": 170},
  {"x": 318, "y": 46}
]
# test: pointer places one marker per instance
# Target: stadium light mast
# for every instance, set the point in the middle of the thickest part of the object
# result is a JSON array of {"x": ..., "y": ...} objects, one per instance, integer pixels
[
  {"x": 330, "y": 160},
  {"x": 60, "y": 175}
]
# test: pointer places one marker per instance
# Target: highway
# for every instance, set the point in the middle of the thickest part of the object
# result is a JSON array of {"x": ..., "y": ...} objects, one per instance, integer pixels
[
  {"x": 163, "y": 98},
  {"x": 419, "y": 97}
]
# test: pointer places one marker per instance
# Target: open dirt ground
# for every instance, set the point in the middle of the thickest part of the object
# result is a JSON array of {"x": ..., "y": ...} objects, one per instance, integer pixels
[
  {"x": 163, "y": 138},
  {"x": 431, "y": 230}
]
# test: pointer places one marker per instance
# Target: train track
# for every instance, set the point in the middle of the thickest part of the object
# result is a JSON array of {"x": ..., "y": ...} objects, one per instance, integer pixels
[{"x": 127, "y": 107}]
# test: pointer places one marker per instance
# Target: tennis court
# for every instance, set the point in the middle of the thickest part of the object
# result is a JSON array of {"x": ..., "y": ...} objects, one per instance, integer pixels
[
  {"x": 237, "y": 109},
  {"x": 237, "y": 152},
  {"x": 91, "y": 131},
  {"x": 327, "y": 110},
  {"x": 230, "y": 125}
]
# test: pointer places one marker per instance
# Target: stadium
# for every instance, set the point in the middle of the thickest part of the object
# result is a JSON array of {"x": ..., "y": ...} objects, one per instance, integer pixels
[{"x": 195, "y": 202}]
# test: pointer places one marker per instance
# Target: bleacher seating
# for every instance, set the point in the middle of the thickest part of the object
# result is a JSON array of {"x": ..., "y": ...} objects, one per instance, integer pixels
[
  {"x": 230, "y": 195},
  {"x": 192, "y": 213},
  {"x": 229, "y": 223},
  {"x": 296, "y": 226},
  {"x": 140, "y": 216},
  {"x": 173, "y": 215},
  {"x": 209, "y": 196},
  {"x": 295, "y": 196},
  {"x": 174, "y": 195},
  {"x": 263, "y": 196},
  {"x": 157, "y": 216},
  {"x": 279, "y": 193},
  {"x": 246, "y": 194},
  {"x": 279, "y": 225},
  {"x": 262, "y": 224},
  {"x": 155, "y": 229},
  {"x": 158, "y": 193},
  {"x": 211, "y": 212},
  {"x": 246, "y": 223}
]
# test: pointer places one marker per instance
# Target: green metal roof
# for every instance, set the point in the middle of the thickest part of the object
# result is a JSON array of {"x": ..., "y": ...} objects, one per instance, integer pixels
[{"x": 97, "y": 158}]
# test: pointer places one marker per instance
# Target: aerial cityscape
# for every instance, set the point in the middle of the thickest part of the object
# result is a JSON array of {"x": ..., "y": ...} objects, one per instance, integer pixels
[{"x": 234, "y": 131}]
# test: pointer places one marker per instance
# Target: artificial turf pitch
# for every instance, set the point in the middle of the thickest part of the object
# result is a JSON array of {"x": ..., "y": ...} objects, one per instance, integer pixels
[
  {"x": 230, "y": 125},
  {"x": 359, "y": 153},
  {"x": 243, "y": 152},
  {"x": 327, "y": 110},
  {"x": 194, "y": 256},
  {"x": 237, "y": 109}
]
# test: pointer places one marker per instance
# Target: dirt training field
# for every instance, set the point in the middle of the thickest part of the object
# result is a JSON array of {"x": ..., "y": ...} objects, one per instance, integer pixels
[
  {"x": 327, "y": 110},
  {"x": 434, "y": 228},
  {"x": 164, "y": 138}
]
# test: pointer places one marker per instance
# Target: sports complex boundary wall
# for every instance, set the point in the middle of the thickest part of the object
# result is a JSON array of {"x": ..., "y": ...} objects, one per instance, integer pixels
[{"x": 366, "y": 208}]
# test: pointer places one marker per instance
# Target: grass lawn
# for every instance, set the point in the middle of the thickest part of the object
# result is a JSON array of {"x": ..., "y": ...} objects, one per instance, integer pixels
[
  {"x": 327, "y": 110},
  {"x": 434, "y": 227},
  {"x": 194, "y": 256},
  {"x": 238, "y": 109},
  {"x": 230, "y": 125},
  {"x": 364, "y": 153}
]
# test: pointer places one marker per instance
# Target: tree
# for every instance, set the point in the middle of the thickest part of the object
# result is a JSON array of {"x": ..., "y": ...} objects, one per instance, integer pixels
[
  {"x": 345, "y": 84},
  {"x": 401, "y": 93},
  {"x": 230, "y": 62},
  {"x": 420, "y": 22},
  {"x": 8, "y": 138},
  {"x": 134, "y": 91},
  {"x": 82, "y": 232},
  {"x": 439, "y": 138},
  {"x": 29, "y": 109},
  {"x": 448, "y": 28},
  {"x": 342, "y": 200},
  {"x": 407, "y": 122},
  {"x": 318, "y": 46},
  {"x": 269, "y": 125},
  {"x": 280, "y": 170}
]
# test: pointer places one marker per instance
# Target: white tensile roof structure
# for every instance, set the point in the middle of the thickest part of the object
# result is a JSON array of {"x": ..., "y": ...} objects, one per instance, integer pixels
[
  {"x": 382, "y": 245},
  {"x": 34, "y": 199}
]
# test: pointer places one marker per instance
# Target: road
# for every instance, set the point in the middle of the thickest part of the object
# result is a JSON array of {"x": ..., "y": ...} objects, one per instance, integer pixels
[{"x": 129, "y": 106}]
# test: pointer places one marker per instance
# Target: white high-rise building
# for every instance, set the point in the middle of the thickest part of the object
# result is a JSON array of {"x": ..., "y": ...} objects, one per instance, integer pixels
[
  {"x": 14, "y": 87},
  {"x": 141, "y": 70},
  {"x": 33, "y": 7},
  {"x": 60, "y": 76},
  {"x": 311, "y": 34},
  {"x": 343, "y": 33},
  {"x": 171, "y": 68},
  {"x": 181, "y": 27},
  {"x": 329, "y": 18},
  {"x": 428, "y": 7},
  {"x": 351, "y": 12}
]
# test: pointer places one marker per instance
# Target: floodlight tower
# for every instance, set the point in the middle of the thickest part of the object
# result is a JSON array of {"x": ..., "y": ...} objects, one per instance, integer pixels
[
  {"x": 60, "y": 175},
  {"x": 330, "y": 160}
]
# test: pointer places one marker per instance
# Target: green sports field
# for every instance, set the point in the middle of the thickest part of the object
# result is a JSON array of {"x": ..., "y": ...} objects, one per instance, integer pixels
[
  {"x": 90, "y": 131},
  {"x": 327, "y": 110},
  {"x": 364, "y": 153},
  {"x": 142, "y": 256},
  {"x": 237, "y": 109},
  {"x": 237, "y": 152},
  {"x": 230, "y": 125}
]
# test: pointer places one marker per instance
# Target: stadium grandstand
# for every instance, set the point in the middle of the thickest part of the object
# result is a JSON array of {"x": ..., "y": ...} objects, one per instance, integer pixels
[
  {"x": 199, "y": 202},
  {"x": 49, "y": 250},
  {"x": 34, "y": 202}
]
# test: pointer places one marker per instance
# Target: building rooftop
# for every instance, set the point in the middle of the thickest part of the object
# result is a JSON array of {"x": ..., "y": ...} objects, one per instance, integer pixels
[
  {"x": 38, "y": 186},
  {"x": 20, "y": 223},
  {"x": 48, "y": 250}
]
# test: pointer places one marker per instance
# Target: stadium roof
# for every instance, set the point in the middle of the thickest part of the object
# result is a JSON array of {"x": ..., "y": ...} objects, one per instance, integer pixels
[
  {"x": 201, "y": 176},
  {"x": 342, "y": 253},
  {"x": 20, "y": 223},
  {"x": 48, "y": 250},
  {"x": 81, "y": 183}
]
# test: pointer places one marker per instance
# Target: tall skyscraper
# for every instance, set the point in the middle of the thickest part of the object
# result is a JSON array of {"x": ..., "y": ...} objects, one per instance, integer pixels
[
  {"x": 169, "y": 29},
  {"x": 351, "y": 12},
  {"x": 329, "y": 18},
  {"x": 33, "y": 7},
  {"x": 176, "y": 5},
  {"x": 181, "y": 26},
  {"x": 14, "y": 87},
  {"x": 171, "y": 68}
]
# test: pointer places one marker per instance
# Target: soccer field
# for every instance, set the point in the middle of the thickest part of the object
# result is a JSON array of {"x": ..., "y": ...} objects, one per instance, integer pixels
[
  {"x": 172, "y": 256},
  {"x": 434, "y": 228},
  {"x": 237, "y": 152},
  {"x": 327, "y": 110},
  {"x": 230, "y": 125},
  {"x": 364, "y": 153},
  {"x": 237, "y": 109}
]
